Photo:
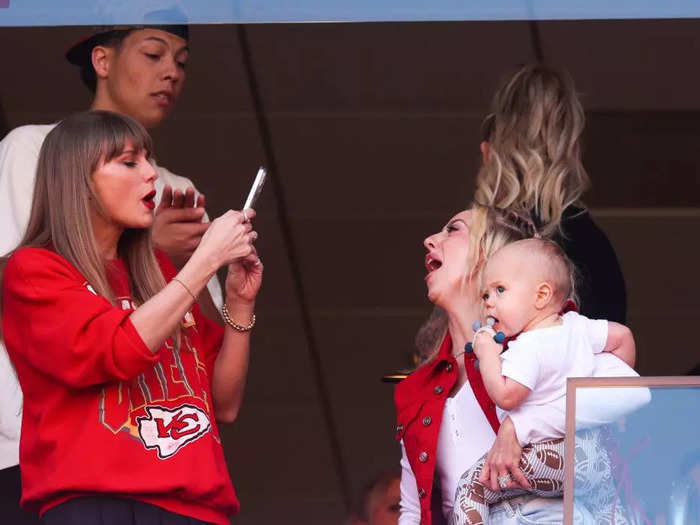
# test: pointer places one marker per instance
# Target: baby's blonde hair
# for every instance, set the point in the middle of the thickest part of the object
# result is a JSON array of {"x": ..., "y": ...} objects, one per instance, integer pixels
[{"x": 551, "y": 263}]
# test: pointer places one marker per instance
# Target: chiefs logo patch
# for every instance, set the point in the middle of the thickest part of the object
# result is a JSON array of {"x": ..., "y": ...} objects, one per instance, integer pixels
[{"x": 168, "y": 430}]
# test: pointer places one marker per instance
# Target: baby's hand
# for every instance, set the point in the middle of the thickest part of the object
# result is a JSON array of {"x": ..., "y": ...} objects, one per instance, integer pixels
[{"x": 484, "y": 342}]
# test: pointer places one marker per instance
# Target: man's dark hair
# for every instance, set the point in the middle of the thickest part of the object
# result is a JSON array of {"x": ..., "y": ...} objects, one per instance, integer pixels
[
  {"x": 110, "y": 36},
  {"x": 112, "y": 39}
]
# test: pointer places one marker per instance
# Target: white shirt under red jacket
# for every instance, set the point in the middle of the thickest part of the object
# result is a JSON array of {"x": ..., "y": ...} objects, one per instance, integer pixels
[
  {"x": 420, "y": 401},
  {"x": 102, "y": 413}
]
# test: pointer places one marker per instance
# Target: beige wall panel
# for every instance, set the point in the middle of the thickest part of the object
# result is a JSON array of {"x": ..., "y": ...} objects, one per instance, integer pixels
[
  {"x": 356, "y": 264},
  {"x": 280, "y": 463},
  {"x": 643, "y": 159},
  {"x": 387, "y": 66},
  {"x": 660, "y": 261},
  {"x": 376, "y": 165},
  {"x": 359, "y": 348},
  {"x": 628, "y": 64}
]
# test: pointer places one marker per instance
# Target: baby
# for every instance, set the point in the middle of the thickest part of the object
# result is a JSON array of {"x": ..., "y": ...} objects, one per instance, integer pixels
[{"x": 526, "y": 286}]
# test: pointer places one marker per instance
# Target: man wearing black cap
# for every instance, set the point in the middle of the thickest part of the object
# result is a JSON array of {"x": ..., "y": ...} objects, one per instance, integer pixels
[{"x": 139, "y": 72}]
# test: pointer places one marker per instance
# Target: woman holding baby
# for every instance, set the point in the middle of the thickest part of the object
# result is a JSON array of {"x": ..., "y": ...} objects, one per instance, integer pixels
[{"x": 530, "y": 183}]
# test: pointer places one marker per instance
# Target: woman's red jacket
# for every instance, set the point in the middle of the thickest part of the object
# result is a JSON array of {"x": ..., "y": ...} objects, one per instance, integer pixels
[{"x": 420, "y": 400}]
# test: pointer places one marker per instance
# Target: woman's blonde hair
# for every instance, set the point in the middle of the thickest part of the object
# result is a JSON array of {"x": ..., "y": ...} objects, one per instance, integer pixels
[
  {"x": 490, "y": 229},
  {"x": 65, "y": 200},
  {"x": 533, "y": 164}
]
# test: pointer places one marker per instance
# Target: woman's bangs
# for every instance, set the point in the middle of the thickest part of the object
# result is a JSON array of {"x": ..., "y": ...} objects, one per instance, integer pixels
[{"x": 117, "y": 133}]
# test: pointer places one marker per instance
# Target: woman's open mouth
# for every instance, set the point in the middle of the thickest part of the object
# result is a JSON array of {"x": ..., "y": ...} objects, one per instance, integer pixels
[
  {"x": 149, "y": 200},
  {"x": 432, "y": 263}
]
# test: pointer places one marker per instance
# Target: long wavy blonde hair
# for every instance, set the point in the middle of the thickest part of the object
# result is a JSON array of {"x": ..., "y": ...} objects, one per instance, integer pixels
[
  {"x": 533, "y": 162},
  {"x": 490, "y": 229},
  {"x": 64, "y": 201}
]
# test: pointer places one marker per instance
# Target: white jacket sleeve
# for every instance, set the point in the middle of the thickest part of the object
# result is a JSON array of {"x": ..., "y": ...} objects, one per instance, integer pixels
[
  {"x": 410, "y": 505},
  {"x": 19, "y": 154},
  {"x": 594, "y": 406},
  {"x": 599, "y": 406}
]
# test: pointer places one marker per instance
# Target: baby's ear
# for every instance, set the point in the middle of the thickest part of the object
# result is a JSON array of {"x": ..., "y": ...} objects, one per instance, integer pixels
[{"x": 544, "y": 295}]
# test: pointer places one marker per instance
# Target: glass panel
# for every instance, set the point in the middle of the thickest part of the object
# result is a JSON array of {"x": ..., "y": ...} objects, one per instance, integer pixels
[
  {"x": 101, "y": 12},
  {"x": 643, "y": 466}
]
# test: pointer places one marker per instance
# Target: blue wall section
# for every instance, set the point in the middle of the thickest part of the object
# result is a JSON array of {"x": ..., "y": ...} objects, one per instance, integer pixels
[{"x": 97, "y": 12}]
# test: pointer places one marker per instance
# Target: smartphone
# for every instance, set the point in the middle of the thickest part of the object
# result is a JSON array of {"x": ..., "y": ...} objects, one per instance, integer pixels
[{"x": 255, "y": 189}]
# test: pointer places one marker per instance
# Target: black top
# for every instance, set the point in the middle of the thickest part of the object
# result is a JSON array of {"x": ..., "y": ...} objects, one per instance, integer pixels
[{"x": 600, "y": 285}]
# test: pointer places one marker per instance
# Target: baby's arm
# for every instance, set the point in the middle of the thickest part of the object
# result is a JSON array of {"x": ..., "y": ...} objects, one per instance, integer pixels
[
  {"x": 504, "y": 391},
  {"x": 620, "y": 342}
]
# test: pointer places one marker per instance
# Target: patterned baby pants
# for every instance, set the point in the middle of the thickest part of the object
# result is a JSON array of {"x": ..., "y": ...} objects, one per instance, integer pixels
[{"x": 541, "y": 463}]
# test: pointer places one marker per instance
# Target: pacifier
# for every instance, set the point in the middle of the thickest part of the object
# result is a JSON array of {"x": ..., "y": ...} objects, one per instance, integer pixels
[{"x": 499, "y": 337}]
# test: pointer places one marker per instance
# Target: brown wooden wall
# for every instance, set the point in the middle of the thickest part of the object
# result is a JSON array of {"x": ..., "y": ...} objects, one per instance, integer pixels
[{"x": 375, "y": 129}]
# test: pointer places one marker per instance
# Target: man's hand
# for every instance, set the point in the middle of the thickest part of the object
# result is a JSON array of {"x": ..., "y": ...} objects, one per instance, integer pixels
[{"x": 178, "y": 227}]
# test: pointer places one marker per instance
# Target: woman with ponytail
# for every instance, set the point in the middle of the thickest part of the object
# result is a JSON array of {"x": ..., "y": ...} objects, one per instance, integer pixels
[{"x": 531, "y": 152}]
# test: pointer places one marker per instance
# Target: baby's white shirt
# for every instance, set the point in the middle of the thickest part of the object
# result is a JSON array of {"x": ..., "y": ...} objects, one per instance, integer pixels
[{"x": 541, "y": 360}]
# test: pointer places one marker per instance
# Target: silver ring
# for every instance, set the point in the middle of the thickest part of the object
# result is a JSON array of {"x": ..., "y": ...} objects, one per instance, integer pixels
[
  {"x": 503, "y": 480},
  {"x": 245, "y": 216}
]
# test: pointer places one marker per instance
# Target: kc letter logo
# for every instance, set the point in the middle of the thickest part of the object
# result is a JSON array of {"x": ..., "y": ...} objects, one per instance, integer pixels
[{"x": 168, "y": 430}]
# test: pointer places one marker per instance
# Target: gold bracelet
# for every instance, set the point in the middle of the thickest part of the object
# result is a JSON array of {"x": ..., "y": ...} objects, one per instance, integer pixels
[
  {"x": 236, "y": 326},
  {"x": 185, "y": 287}
]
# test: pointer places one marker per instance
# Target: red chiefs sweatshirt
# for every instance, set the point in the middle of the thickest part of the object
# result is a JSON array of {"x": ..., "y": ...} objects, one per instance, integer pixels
[{"x": 102, "y": 413}]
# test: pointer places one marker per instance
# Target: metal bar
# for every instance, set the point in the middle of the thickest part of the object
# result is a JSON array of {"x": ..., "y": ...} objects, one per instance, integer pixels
[
  {"x": 4, "y": 125},
  {"x": 569, "y": 457},
  {"x": 648, "y": 381},
  {"x": 536, "y": 40}
]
